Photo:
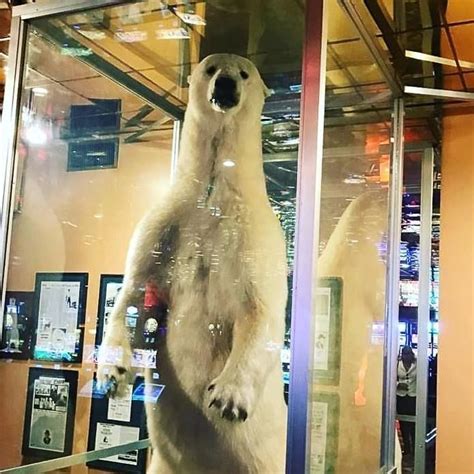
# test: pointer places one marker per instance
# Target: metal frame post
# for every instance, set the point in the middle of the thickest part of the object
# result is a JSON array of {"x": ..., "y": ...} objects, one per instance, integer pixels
[
  {"x": 392, "y": 290},
  {"x": 307, "y": 235},
  {"x": 426, "y": 218},
  {"x": 8, "y": 143}
]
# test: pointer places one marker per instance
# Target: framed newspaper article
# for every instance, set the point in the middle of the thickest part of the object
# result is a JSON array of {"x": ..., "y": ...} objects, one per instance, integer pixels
[
  {"x": 119, "y": 421},
  {"x": 59, "y": 307},
  {"x": 49, "y": 415}
]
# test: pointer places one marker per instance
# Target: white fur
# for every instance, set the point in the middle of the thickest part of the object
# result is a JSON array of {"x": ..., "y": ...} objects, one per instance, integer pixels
[{"x": 216, "y": 246}]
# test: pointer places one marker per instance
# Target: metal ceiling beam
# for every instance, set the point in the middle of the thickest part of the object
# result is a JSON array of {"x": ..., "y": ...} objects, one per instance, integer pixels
[
  {"x": 437, "y": 59},
  {"x": 110, "y": 71},
  {"x": 374, "y": 48},
  {"x": 440, "y": 93}
]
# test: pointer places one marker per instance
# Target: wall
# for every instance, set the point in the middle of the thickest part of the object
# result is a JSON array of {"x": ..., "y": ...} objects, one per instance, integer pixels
[
  {"x": 74, "y": 222},
  {"x": 455, "y": 453},
  {"x": 455, "y": 445}
]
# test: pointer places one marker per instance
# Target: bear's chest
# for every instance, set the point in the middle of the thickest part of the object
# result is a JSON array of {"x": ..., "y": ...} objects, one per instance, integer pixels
[{"x": 212, "y": 238}]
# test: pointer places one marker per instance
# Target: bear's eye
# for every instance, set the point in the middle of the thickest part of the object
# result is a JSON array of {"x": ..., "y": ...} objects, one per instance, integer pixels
[
  {"x": 244, "y": 75},
  {"x": 211, "y": 70}
]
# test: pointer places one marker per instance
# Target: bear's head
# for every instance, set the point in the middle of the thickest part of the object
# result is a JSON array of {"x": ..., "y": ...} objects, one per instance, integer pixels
[{"x": 226, "y": 84}]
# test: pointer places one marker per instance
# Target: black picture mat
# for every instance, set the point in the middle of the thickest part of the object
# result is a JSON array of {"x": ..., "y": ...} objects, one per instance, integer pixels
[
  {"x": 104, "y": 281},
  {"x": 25, "y": 304},
  {"x": 99, "y": 411},
  {"x": 83, "y": 279},
  {"x": 70, "y": 376},
  {"x": 332, "y": 374}
]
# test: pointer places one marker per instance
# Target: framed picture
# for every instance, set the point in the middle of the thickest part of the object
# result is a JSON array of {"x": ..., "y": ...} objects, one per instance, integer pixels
[
  {"x": 328, "y": 328},
  {"x": 324, "y": 432},
  {"x": 110, "y": 286},
  {"x": 59, "y": 307},
  {"x": 49, "y": 415},
  {"x": 119, "y": 421},
  {"x": 18, "y": 325}
]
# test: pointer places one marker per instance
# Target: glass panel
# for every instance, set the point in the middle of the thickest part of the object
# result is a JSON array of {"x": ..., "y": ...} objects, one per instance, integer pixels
[
  {"x": 409, "y": 326},
  {"x": 197, "y": 332},
  {"x": 349, "y": 307},
  {"x": 408, "y": 313}
]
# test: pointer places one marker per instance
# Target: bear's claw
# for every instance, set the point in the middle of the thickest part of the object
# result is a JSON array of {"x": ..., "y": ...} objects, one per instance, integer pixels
[{"x": 228, "y": 408}]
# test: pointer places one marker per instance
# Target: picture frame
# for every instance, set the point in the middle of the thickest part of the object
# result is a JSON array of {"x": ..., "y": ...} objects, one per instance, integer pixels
[
  {"x": 324, "y": 432},
  {"x": 18, "y": 325},
  {"x": 49, "y": 415},
  {"x": 328, "y": 331},
  {"x": 109, "y": 288},
  {"x": 59, "y": 309},
  {"x": 110, "y": 285},
  {"x": 118, "y": 421}
]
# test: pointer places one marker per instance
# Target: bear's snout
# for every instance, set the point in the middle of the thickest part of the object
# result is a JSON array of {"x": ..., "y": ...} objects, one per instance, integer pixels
[{"x": 225, "y": 94}]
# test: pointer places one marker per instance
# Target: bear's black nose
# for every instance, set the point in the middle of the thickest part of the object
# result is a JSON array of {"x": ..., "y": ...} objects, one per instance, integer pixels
[
  {"x": 226, "y": 84},
  {"x": 225, "y": 92}
]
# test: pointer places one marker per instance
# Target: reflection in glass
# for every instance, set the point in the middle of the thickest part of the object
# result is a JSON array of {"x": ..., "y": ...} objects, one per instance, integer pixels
[{"x": 348, "y": 366}]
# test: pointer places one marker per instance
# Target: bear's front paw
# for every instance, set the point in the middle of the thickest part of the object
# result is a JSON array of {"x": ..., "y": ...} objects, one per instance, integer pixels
[
  {"x": 232, "y": 399},
  {"x": 114, "y": 371}
]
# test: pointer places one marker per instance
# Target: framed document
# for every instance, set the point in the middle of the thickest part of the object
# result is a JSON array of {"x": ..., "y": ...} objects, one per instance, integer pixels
[
  {"x": 59, "y": 306},
  {"x": 49, "y": 416},
  {"x": 328, "y": 328},
  {"x": 18, "y": 325},
  {"x": 119, "y": 421},
  {"x": 324, "y": 432}
]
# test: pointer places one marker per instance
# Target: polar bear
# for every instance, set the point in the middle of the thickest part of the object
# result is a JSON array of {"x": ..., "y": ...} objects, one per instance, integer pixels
[{"x": 216, "y": 248}]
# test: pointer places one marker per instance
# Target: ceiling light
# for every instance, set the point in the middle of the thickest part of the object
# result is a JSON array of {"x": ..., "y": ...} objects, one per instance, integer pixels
[
  {"x": 229, "y": 163},
  {"x": 39, "y": 91}
]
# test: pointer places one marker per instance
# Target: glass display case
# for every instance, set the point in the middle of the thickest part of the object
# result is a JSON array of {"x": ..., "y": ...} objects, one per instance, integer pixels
[{"x": 200, "y": 252}]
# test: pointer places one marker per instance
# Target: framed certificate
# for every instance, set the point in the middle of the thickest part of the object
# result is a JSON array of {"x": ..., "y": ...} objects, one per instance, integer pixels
[
  {"x": 59, "y": 307},
  {"x": 49, "y": 415},
  {"x": 328, "y": 328},
  {"x": 18, "y": 325}
]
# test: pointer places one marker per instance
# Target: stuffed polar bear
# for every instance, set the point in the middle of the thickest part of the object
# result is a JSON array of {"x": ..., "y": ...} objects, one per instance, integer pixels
[{"x": 215, "y": 247}]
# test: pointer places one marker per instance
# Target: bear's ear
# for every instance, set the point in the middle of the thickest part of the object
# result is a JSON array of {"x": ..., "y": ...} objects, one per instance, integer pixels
[
  {"x": 189, "y": 79},
  {"x": 266, "y": 91}
]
